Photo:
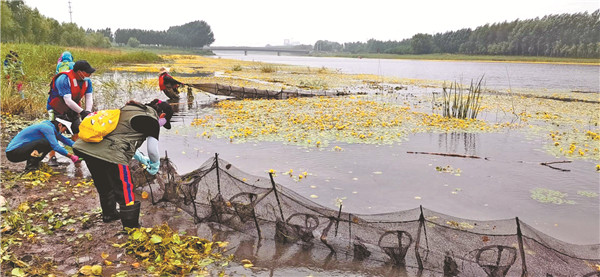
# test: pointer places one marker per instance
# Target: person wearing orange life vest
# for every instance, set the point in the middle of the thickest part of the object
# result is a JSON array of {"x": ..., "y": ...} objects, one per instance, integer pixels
[
  {"x": 65, "y": 63},
  {"x": 167, "y": 84},
  {"x": 67, "y": 89}
]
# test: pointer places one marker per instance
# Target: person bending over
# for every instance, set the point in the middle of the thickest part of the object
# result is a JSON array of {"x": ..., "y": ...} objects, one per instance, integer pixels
[{"x": 108, "y": 160}]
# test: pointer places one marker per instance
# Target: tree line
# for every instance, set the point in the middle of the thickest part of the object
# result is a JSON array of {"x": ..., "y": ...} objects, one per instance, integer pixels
[
  {"x": 22, "y": 24},
  {"x": 565, "y": 35},
  {"x": 192, "y": 34}
]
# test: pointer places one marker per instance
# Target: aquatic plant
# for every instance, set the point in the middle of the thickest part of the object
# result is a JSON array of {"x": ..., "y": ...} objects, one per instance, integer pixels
[
  {"x": 544, "y": 195},
  {"x": 458, "y": 105}
]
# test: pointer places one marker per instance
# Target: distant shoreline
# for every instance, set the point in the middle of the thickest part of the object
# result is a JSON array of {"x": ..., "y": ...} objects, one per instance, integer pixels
[{"x": 476, "y": 58}]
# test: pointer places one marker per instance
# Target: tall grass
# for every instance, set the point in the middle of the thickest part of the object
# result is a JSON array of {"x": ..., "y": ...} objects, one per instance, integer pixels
[
  {"x": 459, "y": 104},
  {"x": 39, "y": 65}
]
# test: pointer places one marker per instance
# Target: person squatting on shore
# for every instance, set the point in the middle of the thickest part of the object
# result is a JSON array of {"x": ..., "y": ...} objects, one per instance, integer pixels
[
  {"x": 34, "y": 142},
  {"x": 108, "y": 160},
  {"x": 67, "y": 89},
  {"x": 167, "y": 84}
]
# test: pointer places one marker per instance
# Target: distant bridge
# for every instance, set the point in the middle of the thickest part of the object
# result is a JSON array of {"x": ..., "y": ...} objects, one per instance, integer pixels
[{"x": 279, "y": 50}]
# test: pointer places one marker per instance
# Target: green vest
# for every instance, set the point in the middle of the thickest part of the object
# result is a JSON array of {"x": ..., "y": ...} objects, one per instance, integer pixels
[{"x": 119, "y": 146}]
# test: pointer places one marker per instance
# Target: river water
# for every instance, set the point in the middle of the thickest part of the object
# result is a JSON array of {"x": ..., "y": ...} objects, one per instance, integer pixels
[
  {"x": 498, "y": 75},
  {"x": 386, "y": 178}
]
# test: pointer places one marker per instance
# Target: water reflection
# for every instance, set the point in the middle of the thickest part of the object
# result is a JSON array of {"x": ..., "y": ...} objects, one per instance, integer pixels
[{"x": 465, "y": 143}]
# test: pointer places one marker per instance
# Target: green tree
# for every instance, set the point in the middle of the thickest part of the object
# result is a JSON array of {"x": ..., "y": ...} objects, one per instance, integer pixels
[
  {"x": 133, "y": 42},
  {"x": 422, "y": 43}
]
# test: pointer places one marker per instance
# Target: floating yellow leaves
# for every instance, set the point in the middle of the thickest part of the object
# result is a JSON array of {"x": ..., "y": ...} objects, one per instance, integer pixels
[{"x": 316, "y": 121}]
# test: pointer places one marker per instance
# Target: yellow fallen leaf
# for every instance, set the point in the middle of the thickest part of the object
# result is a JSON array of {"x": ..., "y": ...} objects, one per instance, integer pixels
[
  {"x": 97, "y": 269},
  {"x": 144, "y": 194},
  {"x": 314, "y": 196},
  {"x": 135, "y": 265},
  {"x": 86, "y": 270},
  {"x": 246, "y": 261},
  {"x": 104, "y": 255},
  {"x": 223, "y": 243},
  {"x": 107, "y": 262},
  {"x": 248, "y": 265}
]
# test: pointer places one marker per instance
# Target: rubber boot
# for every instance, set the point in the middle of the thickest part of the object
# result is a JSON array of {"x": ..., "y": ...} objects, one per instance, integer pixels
[
  {"x": 33, "y": 164},
  {"x": 109, "y": 209},
  {"x": 130, "y": 215}
]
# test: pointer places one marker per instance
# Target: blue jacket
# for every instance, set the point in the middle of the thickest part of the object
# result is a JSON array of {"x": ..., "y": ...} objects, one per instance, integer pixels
[{"x": 43, "y": 130}]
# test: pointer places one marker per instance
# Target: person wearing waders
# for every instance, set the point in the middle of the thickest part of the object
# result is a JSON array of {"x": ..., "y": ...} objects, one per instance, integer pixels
[
  {"x": 108, "y": 160},
  {"x": 168, "y": 85},
  {"x": 34, "y": 142}
]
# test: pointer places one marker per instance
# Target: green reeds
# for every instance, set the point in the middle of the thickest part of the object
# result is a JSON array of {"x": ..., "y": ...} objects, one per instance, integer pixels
[
  {"x": 460, "y": 104},
  {"x": 39, "y": 65}
]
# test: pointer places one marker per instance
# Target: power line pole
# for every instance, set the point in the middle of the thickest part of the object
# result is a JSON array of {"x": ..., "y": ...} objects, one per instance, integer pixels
[{"x": 70, "y": 12}]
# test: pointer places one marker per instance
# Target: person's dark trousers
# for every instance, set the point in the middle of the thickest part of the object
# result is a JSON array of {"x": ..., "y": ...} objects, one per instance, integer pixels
[
  {"x": 114, "y": 185},
  {"x": 23, "y": 153}
]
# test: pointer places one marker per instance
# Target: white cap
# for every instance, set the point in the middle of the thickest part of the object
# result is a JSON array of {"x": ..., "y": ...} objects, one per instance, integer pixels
[{"x": 66, "y": 124}]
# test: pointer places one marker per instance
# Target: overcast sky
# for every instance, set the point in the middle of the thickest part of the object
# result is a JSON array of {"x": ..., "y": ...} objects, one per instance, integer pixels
[{"x": 262, "y": 22}]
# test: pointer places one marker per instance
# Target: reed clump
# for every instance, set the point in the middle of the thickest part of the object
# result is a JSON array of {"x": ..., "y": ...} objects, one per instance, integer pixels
[{"x": 460, "y": 104}]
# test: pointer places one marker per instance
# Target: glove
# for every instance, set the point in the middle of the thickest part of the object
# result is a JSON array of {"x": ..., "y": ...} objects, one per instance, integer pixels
[
  {"x": 83, "y": 114},
  {"x": 74, "y": 158},
  {"x": 153, "y": 168},
  {"x": 141, "y": 158}
]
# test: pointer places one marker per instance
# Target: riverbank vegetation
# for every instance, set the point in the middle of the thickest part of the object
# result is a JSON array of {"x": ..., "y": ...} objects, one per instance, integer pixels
[
  {"x": 39, "y": 65},
  {"x": 564, "y": 35}
]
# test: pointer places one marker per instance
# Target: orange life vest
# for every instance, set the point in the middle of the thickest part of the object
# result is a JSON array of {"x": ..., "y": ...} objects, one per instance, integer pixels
[
  {"x": 77, "y": 92},
  {"x": 161, "y": 81}
]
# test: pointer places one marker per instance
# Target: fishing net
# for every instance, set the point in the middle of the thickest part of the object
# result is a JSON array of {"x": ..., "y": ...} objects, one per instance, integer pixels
[{"x": 417, "y": 242}]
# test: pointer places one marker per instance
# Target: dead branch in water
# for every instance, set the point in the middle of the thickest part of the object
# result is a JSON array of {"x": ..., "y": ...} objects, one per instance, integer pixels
[
  {"x": 548, "y": 164},
  {"x": 447, "y": 155}
]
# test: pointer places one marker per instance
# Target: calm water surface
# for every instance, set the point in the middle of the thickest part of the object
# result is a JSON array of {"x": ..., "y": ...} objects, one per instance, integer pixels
[
  {"x": 386, "y": 178},
  {"x": 498, "y": 75}
]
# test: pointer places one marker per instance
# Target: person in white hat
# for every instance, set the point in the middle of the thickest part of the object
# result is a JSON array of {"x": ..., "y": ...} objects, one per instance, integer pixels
[
  {"x": 33, "y": 143},
  {"x": 167, "y": 84}
]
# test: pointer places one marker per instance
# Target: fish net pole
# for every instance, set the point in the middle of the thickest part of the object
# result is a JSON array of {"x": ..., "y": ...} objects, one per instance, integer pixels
[
  {"x": 521, "y": 249},
  {"x": 276, "y": 196},
  {"x": 218, "y": 175}
]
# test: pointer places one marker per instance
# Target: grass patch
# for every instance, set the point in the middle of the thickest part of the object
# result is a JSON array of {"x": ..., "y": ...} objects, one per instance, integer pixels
[{"x": 39, "y": 65}]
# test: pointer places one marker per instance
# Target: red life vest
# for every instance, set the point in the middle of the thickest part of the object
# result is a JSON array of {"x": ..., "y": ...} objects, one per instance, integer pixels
[
  {"x": 161, "y": 81},
  {"x": 77, "y": 92}
]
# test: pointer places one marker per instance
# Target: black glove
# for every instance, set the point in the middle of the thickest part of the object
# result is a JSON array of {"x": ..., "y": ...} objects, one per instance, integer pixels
[{"x": 83, "y": 114}]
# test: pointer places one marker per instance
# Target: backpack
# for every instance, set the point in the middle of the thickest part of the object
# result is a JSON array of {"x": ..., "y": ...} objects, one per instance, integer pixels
[
  {"x": 95, "y": 126},
  {"x": 64, "y": 66}
]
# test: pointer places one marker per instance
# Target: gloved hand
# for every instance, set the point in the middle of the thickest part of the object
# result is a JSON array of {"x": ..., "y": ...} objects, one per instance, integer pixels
[
  {"x": 141, "y": 158},
  {"x": 74, "y": 158},
  {"x": 83, "y": 114},
  {"x": 153, "y": 168}
]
